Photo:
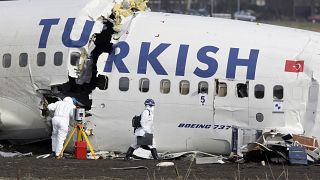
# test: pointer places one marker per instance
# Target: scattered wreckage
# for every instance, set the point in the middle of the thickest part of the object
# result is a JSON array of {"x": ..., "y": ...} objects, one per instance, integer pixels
[
  {"x": 271, "y": 147},
  {"x": 275, "y": 147},
  {"x": 6, "y": 153}
]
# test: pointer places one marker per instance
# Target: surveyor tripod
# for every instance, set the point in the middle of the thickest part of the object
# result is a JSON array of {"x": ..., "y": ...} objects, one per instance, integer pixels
[{"x": 81, "y": 134}]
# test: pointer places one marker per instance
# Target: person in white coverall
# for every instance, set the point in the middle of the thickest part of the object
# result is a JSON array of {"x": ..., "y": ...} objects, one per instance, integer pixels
[
  {"x": 146, "y": 127},
  {"x": 63, "y": 111}
]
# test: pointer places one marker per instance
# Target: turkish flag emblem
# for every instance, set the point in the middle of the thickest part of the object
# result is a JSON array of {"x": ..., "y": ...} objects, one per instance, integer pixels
[{"x": 294, "y": 66}]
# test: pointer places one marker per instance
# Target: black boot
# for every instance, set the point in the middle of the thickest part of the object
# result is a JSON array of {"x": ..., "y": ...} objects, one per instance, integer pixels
[
  {"x": 129, "y": 153},
  {"x": 53, "y": 154},
  {"x": 154, "y": 153}
]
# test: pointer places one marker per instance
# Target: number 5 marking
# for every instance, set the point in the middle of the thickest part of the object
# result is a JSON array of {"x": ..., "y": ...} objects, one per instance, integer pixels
[{"x": 203, "y": 100}]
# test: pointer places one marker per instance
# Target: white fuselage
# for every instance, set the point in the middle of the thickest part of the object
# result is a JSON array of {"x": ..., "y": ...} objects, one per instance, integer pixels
[{"x": 154, "y": 49}]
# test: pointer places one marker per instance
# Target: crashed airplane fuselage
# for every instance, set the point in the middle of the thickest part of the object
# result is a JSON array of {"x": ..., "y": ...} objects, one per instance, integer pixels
[{"x": 214, "y": 81}]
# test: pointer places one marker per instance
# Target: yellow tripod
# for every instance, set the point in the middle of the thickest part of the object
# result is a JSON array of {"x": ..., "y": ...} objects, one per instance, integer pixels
[{"x": 80, "y": 136}]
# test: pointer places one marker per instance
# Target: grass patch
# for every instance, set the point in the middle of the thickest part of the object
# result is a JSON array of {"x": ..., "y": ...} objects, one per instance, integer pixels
[{"x": 306, "y": 25}]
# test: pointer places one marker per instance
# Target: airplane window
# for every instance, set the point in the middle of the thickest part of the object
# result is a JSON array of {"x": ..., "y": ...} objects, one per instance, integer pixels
[
  {"x": 165, "y": 86},
  {"x": 259, "y": 91},
  {"x": 221, "y": 88},
  {"x": 58, "y": 58},
  {"x": 144, "y": 85},
  {"x": 74, "y": 59},
  {"x": 41, "y": 59},
  {"x": 259, "y": 117},
  {"x": 203, "y": 87},
  {"x": 242, "y": 90},
  {"x": 184, "y": 87},
  {"x": 6, "y": 61},
  {"x": 102, "y": 82},
  {"x": 277, "y": 92},
  {"x": 23, "y": 60},
  {"x": 124, "y": 84}
]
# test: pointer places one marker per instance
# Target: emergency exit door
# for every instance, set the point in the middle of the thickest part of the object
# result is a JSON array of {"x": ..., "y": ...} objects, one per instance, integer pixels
[
  {"x": 266, "y": 108},
  {"x": 231, "y": 102}
]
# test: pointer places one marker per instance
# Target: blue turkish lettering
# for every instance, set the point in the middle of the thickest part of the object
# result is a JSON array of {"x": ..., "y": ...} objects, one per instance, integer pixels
[
  {"x": 182, "y": 59},
  {"x": 117, "y": 58},
  {"x": 152, "y": 57},
  {"x": 211, "y": 62},
  {"x": 234, "y": 61},
  {"x": 47, "y": 24},
  {"x": 85, "y": 35}
]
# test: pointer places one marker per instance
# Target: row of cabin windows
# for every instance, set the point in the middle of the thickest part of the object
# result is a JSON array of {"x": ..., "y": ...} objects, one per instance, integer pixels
[
  {"x": 144, "y": 83},
  {"x": 242, "y": 90},
  {"x": 184, "y": 88},
  {"x": 165, "y": 86},
  {"x": 23, "y": 59}
]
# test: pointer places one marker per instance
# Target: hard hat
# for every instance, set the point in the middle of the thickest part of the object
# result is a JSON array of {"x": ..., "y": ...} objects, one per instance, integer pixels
[
  {"x": 74, "y": 100},
  {"x": 150, "y": 102}
]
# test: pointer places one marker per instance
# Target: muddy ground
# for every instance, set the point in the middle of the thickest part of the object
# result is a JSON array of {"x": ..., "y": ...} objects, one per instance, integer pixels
[
  {"x": 30, "y": 167},
  {"x": 50, "y": 168}
]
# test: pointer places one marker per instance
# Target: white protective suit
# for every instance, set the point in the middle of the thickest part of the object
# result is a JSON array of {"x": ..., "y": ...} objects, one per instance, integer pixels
[
  {"x": 146, "y": 126},
  {"x": 63, "y": 111}
]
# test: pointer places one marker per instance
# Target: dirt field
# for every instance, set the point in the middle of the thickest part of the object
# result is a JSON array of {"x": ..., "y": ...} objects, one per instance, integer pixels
[
  {"x": 50, "y": 168},
  {"x": 32, "y": 168}
]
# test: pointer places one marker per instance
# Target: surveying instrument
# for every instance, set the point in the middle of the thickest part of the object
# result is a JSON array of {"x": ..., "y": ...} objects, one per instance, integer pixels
[{"x": 79, "y": 114}]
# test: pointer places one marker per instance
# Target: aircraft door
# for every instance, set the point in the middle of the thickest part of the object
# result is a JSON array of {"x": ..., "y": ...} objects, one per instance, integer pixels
[
  {"x": 241, "y": 102},
  {"x": 267, "y": 104},
  {"x": 231, "y": 103},
  {"x": 310, "y": 123}
]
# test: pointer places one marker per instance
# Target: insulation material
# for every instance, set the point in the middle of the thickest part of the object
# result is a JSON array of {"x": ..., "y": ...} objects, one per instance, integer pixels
[
  {"x": 85, "y": 75},
  {"x": 100, "y": 11},
  {"x": 122, "y": 34},
  {"x": 95, "y": 11},
  {"x": 125, "y": 8}
]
